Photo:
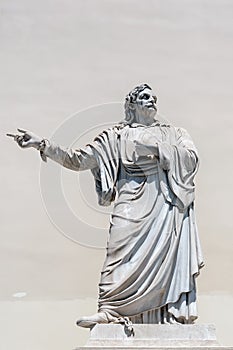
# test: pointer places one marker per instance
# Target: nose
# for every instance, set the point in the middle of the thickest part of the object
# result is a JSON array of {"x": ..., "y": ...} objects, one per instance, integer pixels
[{"x": 151, "y": 100}]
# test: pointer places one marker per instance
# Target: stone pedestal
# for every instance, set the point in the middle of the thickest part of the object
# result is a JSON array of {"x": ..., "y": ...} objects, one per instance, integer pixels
[{"x": 152, "y": 336}]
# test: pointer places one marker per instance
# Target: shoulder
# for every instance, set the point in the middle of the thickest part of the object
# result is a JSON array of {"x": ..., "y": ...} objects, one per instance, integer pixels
[
  {"x": 108, "y": 135},
  {"x": 181, "y": 132}
]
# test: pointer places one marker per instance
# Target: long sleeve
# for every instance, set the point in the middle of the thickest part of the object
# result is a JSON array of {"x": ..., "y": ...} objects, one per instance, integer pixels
[
  {"x": 100, "y": 156},
  {"x": 74, "y": 159}
]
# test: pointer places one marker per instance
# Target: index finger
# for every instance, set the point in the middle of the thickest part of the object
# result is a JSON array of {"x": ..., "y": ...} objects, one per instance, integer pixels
[{"x": 11, "y": 135}]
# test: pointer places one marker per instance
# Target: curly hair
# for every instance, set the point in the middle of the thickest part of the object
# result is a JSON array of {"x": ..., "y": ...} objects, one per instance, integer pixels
[{"x": 130, "y": 99}]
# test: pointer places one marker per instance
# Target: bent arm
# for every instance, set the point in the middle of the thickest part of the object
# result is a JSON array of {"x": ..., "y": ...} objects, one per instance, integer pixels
[
  {"x": 74, "y": 159},
  {"x": 178, "y": 162},
  {"x": 182, "y": 152}
]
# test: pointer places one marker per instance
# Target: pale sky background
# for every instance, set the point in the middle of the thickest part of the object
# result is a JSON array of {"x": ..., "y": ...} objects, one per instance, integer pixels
[{"x": 59, "y": 57}]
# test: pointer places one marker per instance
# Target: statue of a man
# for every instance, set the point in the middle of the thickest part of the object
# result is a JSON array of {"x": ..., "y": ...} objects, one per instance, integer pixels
[{"x": 147, "y": 169}]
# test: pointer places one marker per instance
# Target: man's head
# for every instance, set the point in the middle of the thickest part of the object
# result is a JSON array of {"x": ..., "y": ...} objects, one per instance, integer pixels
[{"x": 140, "y": 105}]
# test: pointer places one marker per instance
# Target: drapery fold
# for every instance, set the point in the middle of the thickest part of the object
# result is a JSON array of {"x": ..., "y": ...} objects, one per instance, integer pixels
[
  {"x": 178, "y": 166},
  {"x": 105, "y": 151},
  {"x": 153, "y": 253}
]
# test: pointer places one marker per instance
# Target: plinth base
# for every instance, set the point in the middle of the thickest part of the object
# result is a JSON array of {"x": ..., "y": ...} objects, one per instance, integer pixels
[{"x": 153, "y": 336}]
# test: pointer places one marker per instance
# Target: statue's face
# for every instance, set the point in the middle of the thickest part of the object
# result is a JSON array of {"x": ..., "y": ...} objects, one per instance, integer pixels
[
  {"x": 145, "y": 105},
  {"x": 146, "y": 99}
]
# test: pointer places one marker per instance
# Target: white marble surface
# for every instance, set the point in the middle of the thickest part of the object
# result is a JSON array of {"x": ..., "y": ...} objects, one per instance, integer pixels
[
  {"x": 157, "y": 337},
  {"x": 153, "y": 335}
]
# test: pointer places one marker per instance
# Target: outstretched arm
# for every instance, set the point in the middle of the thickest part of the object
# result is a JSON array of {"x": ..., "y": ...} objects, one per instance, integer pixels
[
  {"x": 74, "y": 159},
  {"x": 80, "y": 159}
]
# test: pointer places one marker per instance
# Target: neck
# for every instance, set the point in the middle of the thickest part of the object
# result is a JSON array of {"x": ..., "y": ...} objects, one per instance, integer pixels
[{"x": 144, "y": 119}]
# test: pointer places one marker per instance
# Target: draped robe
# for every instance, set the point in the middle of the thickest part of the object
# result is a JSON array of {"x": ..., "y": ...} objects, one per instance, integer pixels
[{"x": 153, "y": 253}]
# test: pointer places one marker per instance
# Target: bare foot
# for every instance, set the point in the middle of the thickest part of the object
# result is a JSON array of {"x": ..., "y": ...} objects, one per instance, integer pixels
[{"x": 90, "y": 321}]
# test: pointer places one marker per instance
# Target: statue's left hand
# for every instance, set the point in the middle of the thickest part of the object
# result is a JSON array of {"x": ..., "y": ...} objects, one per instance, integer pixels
[{"x": 26, "y": 139}]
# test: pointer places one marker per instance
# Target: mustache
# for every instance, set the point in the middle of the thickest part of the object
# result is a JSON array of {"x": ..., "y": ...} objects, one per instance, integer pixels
[{"x": 151, "y": 104}]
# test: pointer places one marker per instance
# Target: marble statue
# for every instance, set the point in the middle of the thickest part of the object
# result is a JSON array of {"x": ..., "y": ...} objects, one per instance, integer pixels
[{"x": 153, "y": 255}]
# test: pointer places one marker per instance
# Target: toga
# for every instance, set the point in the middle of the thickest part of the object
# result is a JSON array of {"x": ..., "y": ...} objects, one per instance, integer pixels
[{"x": 153, "y": 253}]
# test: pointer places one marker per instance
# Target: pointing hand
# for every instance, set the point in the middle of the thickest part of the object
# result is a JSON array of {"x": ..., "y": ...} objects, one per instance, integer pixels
[{"x": 26, "y": 139}]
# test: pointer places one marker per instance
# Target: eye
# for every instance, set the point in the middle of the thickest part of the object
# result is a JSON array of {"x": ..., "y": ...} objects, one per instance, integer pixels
[{"x": 145, "y": 97}]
